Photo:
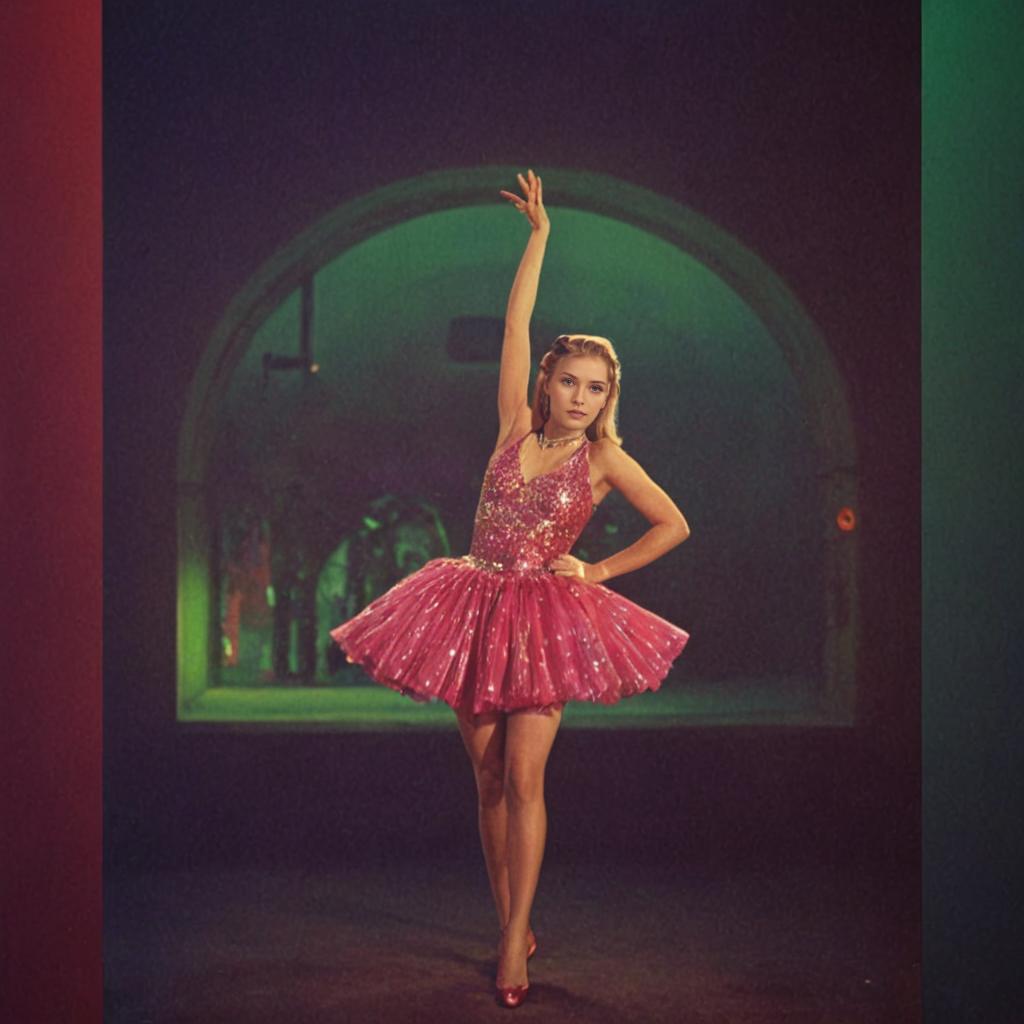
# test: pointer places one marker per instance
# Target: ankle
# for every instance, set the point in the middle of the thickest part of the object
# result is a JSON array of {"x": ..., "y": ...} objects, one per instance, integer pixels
[
  {"x": 507, "y": 923},
  {"x": 511, "y": 930}
]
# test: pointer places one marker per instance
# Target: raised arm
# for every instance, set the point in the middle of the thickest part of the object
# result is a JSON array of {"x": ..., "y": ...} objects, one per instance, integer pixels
[{"x": 514, "y": 377}]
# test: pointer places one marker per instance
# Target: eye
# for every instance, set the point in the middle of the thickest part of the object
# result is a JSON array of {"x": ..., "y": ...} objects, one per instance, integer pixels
[
  {"x": 567, "y": 380},
  {"x": 596, "y": 388}
]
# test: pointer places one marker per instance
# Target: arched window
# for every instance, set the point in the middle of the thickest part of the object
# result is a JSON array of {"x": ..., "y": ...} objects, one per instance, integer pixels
[{"x": 341, "y": 419}]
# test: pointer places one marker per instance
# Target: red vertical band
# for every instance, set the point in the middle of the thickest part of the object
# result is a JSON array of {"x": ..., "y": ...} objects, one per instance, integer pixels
[{"x": 50, "y": 501}]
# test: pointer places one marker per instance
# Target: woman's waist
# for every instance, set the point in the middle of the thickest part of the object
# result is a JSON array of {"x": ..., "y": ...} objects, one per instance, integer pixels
[
  {"x": 512, "y": 565},
  {"x": 503, "y": 557}
]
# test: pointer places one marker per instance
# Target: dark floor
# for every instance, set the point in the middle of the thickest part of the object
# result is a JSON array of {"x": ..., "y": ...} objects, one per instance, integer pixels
[{"x": 417, "y": 942}]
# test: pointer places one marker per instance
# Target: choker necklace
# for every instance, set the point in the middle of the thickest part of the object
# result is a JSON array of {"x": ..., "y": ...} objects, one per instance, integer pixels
[{"x": 545, "y": 442}]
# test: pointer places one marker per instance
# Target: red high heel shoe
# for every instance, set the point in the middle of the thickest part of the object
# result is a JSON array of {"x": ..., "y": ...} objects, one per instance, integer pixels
[{"x": 511, "y": 996}]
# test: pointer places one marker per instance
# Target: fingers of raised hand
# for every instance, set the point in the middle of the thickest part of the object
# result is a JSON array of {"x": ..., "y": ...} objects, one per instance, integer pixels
[{"x": 532, "y": 196}]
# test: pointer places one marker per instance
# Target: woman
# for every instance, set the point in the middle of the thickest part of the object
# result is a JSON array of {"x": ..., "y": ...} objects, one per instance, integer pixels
[{"x": 510, "y": 632}]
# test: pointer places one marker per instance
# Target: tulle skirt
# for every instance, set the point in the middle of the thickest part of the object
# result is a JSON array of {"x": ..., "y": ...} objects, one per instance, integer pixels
[{"x": 482, "y": 640}]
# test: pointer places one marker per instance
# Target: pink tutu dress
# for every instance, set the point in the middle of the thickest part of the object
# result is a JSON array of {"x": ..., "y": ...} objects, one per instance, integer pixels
[{"x": 495, "y": 630}]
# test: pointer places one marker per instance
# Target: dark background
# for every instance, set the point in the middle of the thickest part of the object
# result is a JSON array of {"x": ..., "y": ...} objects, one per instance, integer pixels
[
  {"x": 52, "y": 241},
  {"x": 230, "y": 128}
]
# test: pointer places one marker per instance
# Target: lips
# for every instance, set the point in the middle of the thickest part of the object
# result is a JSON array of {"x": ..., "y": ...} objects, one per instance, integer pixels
[{"x": 578, "y": 415}]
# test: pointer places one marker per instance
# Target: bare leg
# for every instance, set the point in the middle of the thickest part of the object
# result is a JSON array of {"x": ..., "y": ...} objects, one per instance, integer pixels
[
  {"x": 484, "y": 739},
  {"x": 528, "y": 740}
]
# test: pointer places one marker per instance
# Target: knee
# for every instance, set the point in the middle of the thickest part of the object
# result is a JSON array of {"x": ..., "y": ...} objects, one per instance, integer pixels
[
  {"x": 490, "y": 783},
  {"x": 524, "y": 783}
]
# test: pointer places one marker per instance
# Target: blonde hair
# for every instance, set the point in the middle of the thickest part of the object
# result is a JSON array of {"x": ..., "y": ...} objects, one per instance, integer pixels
[{"x": 604, "y": 424}]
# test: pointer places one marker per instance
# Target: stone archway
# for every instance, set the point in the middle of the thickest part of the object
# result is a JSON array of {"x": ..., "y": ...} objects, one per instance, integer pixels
[{"x": 819, "y": 384}]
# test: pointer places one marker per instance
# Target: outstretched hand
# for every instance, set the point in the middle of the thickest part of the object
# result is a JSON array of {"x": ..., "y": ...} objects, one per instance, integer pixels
[{"x": 531, "y": 202}]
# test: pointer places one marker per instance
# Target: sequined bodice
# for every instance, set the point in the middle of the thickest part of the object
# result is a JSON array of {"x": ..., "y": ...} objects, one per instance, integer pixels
[{"x": 524, "y": 524}]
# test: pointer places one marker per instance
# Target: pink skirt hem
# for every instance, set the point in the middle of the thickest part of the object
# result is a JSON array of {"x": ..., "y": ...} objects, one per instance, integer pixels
[{"x": 484, "y": 641}]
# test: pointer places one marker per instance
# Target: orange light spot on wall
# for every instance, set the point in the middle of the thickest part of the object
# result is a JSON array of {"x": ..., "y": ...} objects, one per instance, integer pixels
[{"x": 845, "y": 519}]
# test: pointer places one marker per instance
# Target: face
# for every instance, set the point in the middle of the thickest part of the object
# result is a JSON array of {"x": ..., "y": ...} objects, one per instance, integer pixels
[{"x": 579, "y": 384}]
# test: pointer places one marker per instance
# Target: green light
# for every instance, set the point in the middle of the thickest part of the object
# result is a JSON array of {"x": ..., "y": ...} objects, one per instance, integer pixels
[{"x": 703, "y": 351}]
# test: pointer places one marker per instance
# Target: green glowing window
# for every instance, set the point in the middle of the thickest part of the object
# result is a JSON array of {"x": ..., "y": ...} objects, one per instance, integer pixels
[{"x": 339, "y": 426}]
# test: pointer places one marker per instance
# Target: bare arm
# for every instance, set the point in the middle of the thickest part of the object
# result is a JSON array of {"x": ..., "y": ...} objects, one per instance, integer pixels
[
  {"x": 514, "y": 377},
  {"x": 668, "y": 525},
  {"x": 661, "y": 537}
]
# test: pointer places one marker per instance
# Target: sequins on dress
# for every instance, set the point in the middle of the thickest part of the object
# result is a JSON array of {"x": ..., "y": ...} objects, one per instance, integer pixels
[{"x": 495, "y": 630}]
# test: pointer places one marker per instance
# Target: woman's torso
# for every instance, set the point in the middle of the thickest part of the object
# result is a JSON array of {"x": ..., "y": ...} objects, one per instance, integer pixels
[{"x": 523, "y": 524}]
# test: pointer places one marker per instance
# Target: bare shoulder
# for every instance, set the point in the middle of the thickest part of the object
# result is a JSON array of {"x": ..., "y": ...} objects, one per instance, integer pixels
[
  {"x": 617, "y": 469},
  {"x": 606, "y": 456}
]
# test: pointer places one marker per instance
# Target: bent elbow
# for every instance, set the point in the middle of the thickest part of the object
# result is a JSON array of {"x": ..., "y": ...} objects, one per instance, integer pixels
[{"x": 680, "y": 531}]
